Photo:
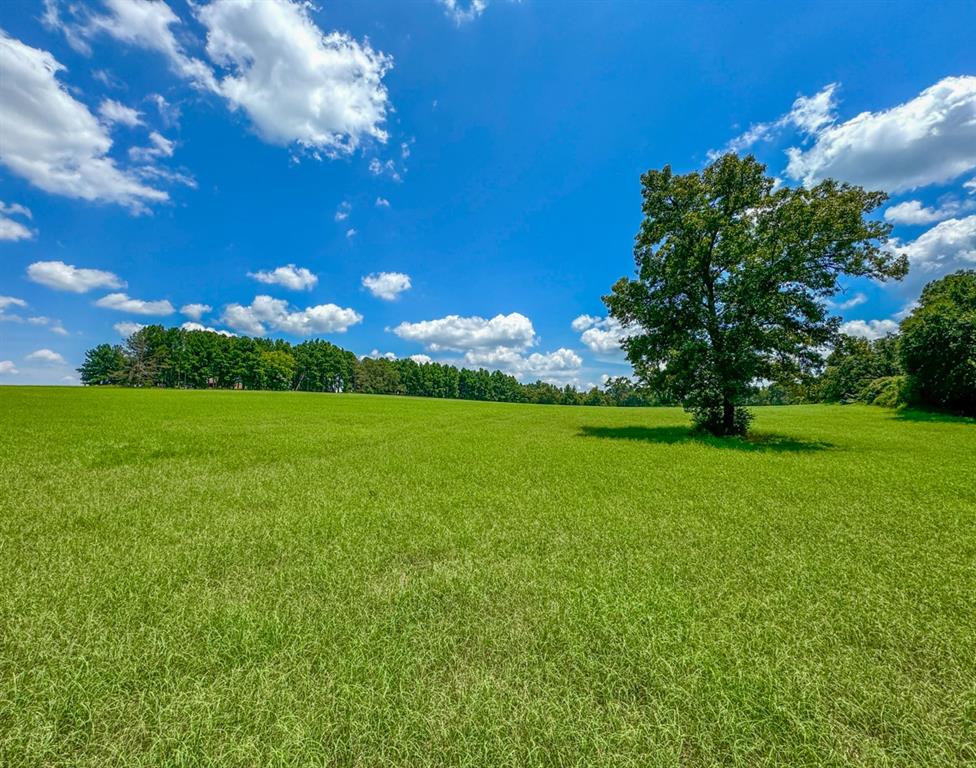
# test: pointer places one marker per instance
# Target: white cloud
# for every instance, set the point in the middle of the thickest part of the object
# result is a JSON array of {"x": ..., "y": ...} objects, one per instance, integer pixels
[
  {"x": 54, "y": 326},
  {"x": 113, "y": 112},
  {"x": 53, "y": 140},
  {"x": 266, "y": 313},
  {"x": 453, "y": 332},
  {"x": 464, "y": 10},
  {"x": 289, "y": 276},
  {"x": 8, "y": 367},
  {"x": 949, "y": 245},
  {"x": 160, "y": 147},
  {"x": 870, "y": 329},
  {"x": 422, "y": 359},
  {"x": 168, "y": 113},
  {"x": 808, "y": 114},
  {"x": 377, "y": 355},
  {"x": 382, "y": 202},
  {"x": 67, "y": 277},
  {"x": 127, "y": 328},
  {"x": 11, "y": 229},
  {"x": 122, "y": 303},
  {"x": 378, "y": 168},
  {"x": 854, "y": 301},
  {"x": 195, "y": 311},
  {"x": 11, "y": 301},
  {"x": 145, "y": 24},
  {"x": 351, "y": 233},
  {"x": 930, "y": 139},
  {"x": 342, "y": 212},
  {"x": 602, "y": 335},
  {"x": 913, "y": 212},
  {"x": 558, "y": 366},
  {"x": 970, "y": 186},
  {"x": 199, "y": 327},
  {"x": 386, "y": 285},
  {"x": 297, "y": 85},
  {"x": 583, "y": 322},
  {"x": 323, "y": 92},
  {"x": 46, "y": 356}
]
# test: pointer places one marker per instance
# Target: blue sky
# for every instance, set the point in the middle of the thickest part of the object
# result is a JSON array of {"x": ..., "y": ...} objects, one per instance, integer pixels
[{"x": 435, "y": 178}]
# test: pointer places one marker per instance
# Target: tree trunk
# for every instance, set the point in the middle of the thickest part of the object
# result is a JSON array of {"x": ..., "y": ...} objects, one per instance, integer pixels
[{"x": 728, "y": 416}]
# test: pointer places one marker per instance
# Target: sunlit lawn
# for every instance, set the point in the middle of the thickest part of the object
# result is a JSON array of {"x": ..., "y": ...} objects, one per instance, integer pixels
[{"x": 237, "y": 578}]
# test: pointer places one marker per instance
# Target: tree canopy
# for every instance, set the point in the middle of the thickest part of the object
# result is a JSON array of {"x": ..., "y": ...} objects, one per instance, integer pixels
[
  {"x": 732, "y": 280},
  {"x": 938, "y": 344}
]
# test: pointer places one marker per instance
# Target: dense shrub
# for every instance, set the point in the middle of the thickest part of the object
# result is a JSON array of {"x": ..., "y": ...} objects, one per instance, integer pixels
[{"x": 887, "y": 391}]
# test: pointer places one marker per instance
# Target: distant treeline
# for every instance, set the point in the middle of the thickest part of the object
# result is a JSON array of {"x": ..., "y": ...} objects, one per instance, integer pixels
[
  {"x": 930, "y": 363},
  {"x": 156, "y": 356}
]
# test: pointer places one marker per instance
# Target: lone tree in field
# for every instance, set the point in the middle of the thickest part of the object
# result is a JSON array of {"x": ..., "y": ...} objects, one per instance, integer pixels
[{"x": 733, "y": 278}]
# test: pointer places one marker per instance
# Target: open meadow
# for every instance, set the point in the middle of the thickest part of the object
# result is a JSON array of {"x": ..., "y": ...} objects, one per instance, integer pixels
[{"x": 262, "y": 579}]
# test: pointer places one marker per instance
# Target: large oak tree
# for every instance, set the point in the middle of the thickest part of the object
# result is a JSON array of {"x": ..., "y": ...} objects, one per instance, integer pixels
[{"x": 733, "y": 278}]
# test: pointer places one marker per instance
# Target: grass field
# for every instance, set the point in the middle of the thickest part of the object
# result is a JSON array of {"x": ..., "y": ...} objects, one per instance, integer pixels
[{"x": 259, "y": 579}]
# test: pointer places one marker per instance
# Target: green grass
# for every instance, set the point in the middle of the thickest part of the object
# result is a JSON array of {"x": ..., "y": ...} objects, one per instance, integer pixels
[{"x": 259, "y": 579}]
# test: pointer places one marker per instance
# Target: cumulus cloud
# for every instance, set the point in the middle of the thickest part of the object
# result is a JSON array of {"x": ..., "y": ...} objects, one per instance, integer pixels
[
  {"x": 808, "y": 114},
  {"x": 323, "y": 92},
  {"x": 379, "y": 168},
  {"x": 513, "y": 331},
  {"x": 127, "y": 328},
  {"x": 386, "y": 285},
  {"x": 930, "y": 139},
  {"x": 377, "y": 355},
  {"x": 52, "y": 140},
  {"x": 288, "y": 276},
  {"x": 583, "y": 322},
  {"x": 870, "y": 329},
  {"x": 46, "y": 356},
  {"x": 351, "y": 233},
  {"x": 199, "y": 327},
  {"x": 464, "y": 10},
  {"x": 266, "y": 313},
  {"x": 195, "y": 311},
  {"x": 558, "y": 366},
  {"x": 67, "y": 277},
  {"x": 342, "y": 212},
  {"x": 123, "y": 303},
  {"x": 912, "y": 212},
  {"x": 382, "y": 202},
  {"x": 11, "y": 229},
  {"x": 7, "y": 367},
  {"x": 602, "y": 335},
  {"x": 113, "y": 113},
  {"x": 947, "y": 246},
  {"x": 422, "y": 359}
]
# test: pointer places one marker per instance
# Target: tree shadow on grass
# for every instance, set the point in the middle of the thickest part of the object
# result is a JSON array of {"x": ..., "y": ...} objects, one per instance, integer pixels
[
  {"x": 754, "y": 441},
  {"x": 911, "y": 414}
]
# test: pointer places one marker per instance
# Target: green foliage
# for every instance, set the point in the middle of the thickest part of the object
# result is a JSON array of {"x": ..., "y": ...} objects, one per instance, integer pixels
[
  {"x": 887, "y": 391},
  {"x": 281, "y": 579},
  {"x": 159, "y": 357},
  {"x": 938, "y": 344},
  {"x": 104, "y": 364},
  {"x": 855, "y": 363},
  {"x": 732, "y": 279}
]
